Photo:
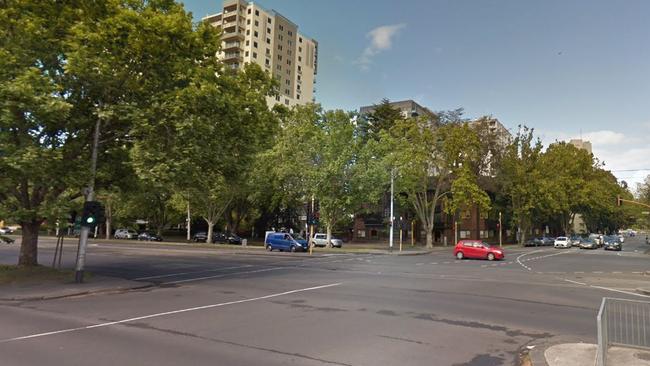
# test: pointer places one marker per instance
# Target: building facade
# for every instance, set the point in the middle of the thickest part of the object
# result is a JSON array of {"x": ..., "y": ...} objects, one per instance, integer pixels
[
  {"x": 581, "y": 144},
  {"x": 252, "y": 34},
  {"x": 408, "y": 108}
]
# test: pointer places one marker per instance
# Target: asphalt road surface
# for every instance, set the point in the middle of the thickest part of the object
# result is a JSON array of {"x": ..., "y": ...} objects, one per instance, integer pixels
[{"x": 218, "y": 308}]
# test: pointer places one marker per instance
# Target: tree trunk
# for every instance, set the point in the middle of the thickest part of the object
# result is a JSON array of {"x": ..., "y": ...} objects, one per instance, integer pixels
[
  {"x": 29, "y": 244},
  {"x": 210, "y": 230},
  {"x": 329, "y": 236},
  {"x": 429, "y": 236},
  {"x": 109, "y": 218}
]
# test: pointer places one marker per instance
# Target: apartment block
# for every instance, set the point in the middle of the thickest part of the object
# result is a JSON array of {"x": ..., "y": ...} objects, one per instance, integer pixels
[
  {"x": 252, "y": 34},
  {"x": 409, "y": 108}
]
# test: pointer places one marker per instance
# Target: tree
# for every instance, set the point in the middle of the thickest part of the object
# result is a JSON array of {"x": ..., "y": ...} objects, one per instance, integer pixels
[
  {"x": 67, "y": 67},
  {"x": 383, "y": 117},
  {"x": 520, "y": 177},
  {"x": 430, "y": 163}
]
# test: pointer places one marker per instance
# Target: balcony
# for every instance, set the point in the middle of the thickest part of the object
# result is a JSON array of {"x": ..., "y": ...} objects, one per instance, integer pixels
[
  {"x": 232, "y": 57},
  {"x": 231, "y": 45},
  {"x": 232, "y": 33}
]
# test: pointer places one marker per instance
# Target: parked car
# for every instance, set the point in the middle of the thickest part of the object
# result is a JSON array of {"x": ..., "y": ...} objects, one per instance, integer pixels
[
  {"x": 146, "y": 236},
  {"x": 202, "y": 236},
  {"x": 562, "y": 242},
  {"x": 477, "y": 249},
  {"x": 589, "y": 243},
  {"x": 320, "y": 240},
  {"x": 6, "y": 230},
  {"x": 285, "y": 241},
  {"x": 125, "y": 234},
  {"x": 233, "y": 238},
  {"x": 575, "y": 240}
]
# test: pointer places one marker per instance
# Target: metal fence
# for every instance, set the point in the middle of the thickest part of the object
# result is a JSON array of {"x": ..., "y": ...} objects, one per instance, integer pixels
[{"x": 623, "y": 323}]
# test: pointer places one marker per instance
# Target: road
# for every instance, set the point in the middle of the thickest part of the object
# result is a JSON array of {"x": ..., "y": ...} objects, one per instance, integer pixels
[{"x": 222, "y": 308}]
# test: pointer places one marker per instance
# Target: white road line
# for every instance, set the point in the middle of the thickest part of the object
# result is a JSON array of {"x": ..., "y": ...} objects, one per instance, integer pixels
[
  {"x": 576, "y": 282},
  {"x": 621, "y": 291},
  {"x": 419, "y": 264},
  {"x": 195, "y": 272},
  {"x": 167, "y": 313},
  {"x": 222, "y": 275}
]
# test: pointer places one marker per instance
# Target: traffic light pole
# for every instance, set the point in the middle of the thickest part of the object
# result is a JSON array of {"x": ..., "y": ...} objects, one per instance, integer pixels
[{"x": 90, "y": 196}]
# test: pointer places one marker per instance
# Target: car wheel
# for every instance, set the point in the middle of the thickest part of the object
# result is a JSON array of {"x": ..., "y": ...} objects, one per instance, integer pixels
[
  {"x": 490, "y": 256},
  {"x": 459, "y": 255},
  {"x": 269, "y": 248},
  {"x": 293, "y": 249}
]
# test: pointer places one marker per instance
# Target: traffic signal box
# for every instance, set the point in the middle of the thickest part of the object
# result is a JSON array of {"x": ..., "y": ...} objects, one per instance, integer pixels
[{"x": 93, "y": 214}]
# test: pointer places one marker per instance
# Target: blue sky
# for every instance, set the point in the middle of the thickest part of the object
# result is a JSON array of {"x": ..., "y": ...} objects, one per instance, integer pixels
[{"x": 566, "y": 68}]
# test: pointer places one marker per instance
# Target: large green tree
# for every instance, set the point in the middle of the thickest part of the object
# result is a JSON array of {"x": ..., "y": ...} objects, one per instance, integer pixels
[
  {"x": 431, "y": 163},
  {"x": 67, "y": 68}
]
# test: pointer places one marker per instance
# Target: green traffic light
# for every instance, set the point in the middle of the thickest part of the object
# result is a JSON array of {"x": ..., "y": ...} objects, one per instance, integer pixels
[{"x": 90, "y": 220}]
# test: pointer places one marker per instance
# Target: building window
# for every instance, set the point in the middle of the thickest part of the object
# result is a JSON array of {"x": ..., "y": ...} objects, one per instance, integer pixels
[
  {"x": 298, "y": 77},
  {"x": 464, "y": 234},
  {"x": 280, "y": 37},
  {"x": 290, "y": 33},
  {"x": 267, "y": 63},
  {"x": 300, "y": 39},
  {"x": 279, "y": 67},
  {"x": 299, "y": 68},
  {"x": 281, "y": 27},
  {"x": 286, "y": 101},
  {"x": 248, "y": 43},
  {"x": 289, "y": 62},
  {"x": 257, "y": 12},
  {"x": 279, "y": 57},
  {"x": 300, "y": 60},
  {"x": 466, "y": 214},
  {"x": 256, "y": 34},
  {"x": 268, "y": 51},
  {"x": 254, "y": 54},
  {"x": 484, "y": 234},
  {"x": 298, "y": 96},
  {"x": 361, "y": 233},
  {"x": 246, "y": 53},
  {"x": 277, "y": 98},
  {"x": 249, "y": 10},
  {"x": 298, "y": 85},
  {"x": 268, "y": 20},
  {"x": 290, "y": 43},
  {"x": 248, "y": 21},
  {"x": 279, "y": 47},
  {"x": 268, "y": 40},
  {"x": 268, "y": 30},
  {"x": 248, "y": 32},
  {"x": 288, "y": 82},
  {"x": 257, "y": 23},
  {"x": 299, "y": 49},
  {"x": 255, "y": 44}
]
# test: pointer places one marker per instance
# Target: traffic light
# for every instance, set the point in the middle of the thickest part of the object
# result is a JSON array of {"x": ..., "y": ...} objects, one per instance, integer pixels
[{"x": 93, "y": 214}]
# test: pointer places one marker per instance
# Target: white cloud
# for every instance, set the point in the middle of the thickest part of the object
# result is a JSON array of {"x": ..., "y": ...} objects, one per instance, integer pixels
[
  {"x": 381, "y": 39},
  {"x": 603, "y": 137}
]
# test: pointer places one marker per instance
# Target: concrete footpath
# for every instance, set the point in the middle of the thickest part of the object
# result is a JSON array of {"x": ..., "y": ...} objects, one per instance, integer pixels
[
  {"x": 584, "y": 354},
  {"x": 54, "y": 290}
]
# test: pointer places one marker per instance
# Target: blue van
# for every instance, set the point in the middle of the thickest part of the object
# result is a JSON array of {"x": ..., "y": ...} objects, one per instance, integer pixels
[{"x": 285, "y": 241}]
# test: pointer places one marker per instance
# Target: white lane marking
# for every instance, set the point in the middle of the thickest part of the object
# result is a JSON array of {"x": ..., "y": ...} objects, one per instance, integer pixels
[
  {"x": 621, "y": 291},
  {"x": 576, "y": 282},
  {"x": 195, "y": 272},
  {"x": 222, "y": 275},
  {"x": 578, "y": 272},
  {"x": 434, "y": 262},
  {"x": 597, "y": 272},
  {"x": 518, "y": 259},
  {"x": 168, "y": 313}
]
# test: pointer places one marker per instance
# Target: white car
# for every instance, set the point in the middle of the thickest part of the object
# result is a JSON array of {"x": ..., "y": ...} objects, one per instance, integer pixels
[
  {"x": 6, "y": 230},
  {"x": 125, "y": 234},
  {"x": 320, "y": 240},
  {"x": 562, "y": 242}
]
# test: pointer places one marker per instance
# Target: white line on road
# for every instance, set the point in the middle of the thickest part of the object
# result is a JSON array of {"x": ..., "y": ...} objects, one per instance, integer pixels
[
  {"x": 222, "y": 275},
  {"x": 195, "y": 272},
  {"x": 621, "y": 291},
  {"x": 168, "y": 313},
  {"x": 576, "y": 282}
]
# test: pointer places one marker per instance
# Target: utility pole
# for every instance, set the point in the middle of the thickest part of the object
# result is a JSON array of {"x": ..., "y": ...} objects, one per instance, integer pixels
[
  {"x": 500, "y": 241},
  {"x": 90, "y": 196},
  {"x": 311, "y": 227},
  {"x": 392, "y": 188},
  {"x": 412, "y": 233},
  {"x": 188, "y": 219},
  {"x": 455, "y": 232}
]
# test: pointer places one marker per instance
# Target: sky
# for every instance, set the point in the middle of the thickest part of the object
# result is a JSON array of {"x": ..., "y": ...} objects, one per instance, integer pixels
[{"x": 568, "y": 69}]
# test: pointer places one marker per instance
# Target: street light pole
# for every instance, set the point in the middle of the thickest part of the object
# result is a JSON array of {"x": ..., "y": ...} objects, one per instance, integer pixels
[
  {"x": 500, "y": 230},
  {"x": 90, "y": 196},
  {"x": 392, "y": 188}
]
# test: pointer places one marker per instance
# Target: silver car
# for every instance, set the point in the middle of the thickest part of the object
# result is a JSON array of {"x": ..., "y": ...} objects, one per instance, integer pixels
[
  {"x": 320, "y": 240},
  {"x": 125, "y": 234}
]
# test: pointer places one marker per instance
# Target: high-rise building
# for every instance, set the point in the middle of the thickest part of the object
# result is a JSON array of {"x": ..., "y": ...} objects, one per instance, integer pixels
[
  {"x": 408, "y": 108},
  {"x": 581, "y": 144},
  {"x": 252, "y": 34}
]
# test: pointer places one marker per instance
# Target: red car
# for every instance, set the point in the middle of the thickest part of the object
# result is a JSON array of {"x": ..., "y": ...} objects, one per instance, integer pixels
[{"x": 477, "y": 249}]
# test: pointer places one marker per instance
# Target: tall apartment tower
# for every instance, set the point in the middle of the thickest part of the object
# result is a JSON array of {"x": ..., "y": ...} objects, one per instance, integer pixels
[{"x": 252, "y": 34}]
